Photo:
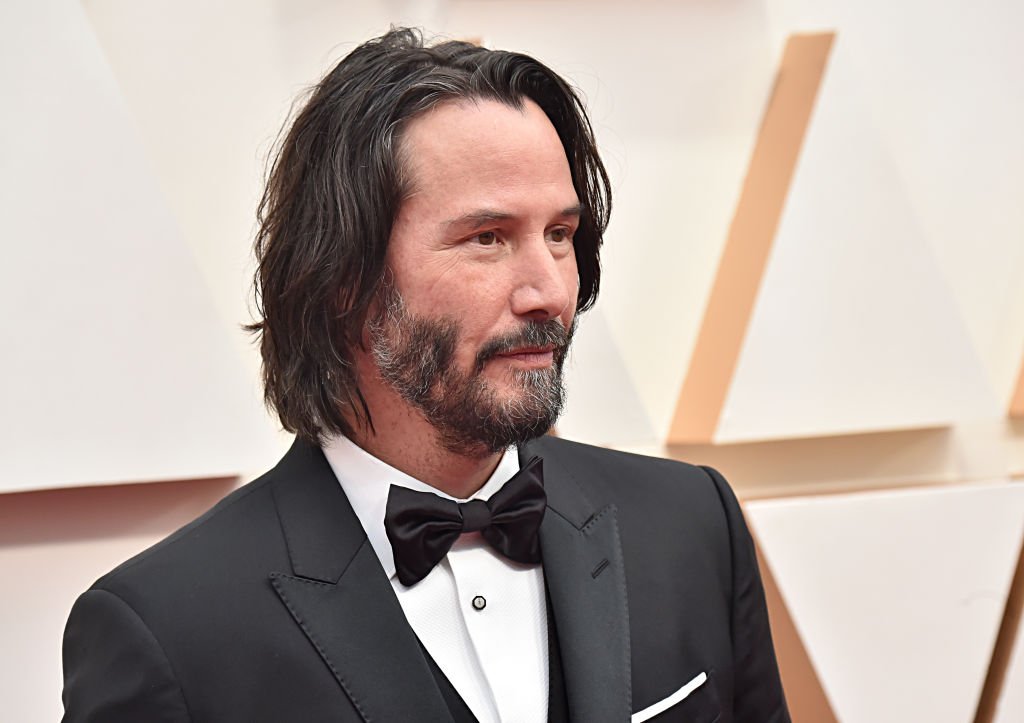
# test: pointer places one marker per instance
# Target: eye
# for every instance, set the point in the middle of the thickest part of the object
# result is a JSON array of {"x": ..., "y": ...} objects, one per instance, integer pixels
[
  {"x": 560, "y": 235},
  {"x": 486, "y": 238}
]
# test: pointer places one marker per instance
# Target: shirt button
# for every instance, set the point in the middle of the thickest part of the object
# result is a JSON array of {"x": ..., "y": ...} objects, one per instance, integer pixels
[{"x": 479, "y": 602}]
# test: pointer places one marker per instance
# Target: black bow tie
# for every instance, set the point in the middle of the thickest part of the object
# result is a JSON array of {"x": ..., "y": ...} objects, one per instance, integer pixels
[{"x": 422, "y": 527}]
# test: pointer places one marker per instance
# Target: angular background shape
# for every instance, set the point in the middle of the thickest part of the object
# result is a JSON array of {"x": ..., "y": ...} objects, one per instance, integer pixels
[
  {"x": 897, "y": 595},
  {"x": 855, "y": 328},
  {"x": 116, "y": 364}
]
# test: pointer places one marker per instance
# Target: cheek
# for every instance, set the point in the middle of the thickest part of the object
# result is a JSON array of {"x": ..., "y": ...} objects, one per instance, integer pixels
[
  {"x": 479, "y": 320},
  {"x": 460, "y": 296},
  {"x": 476, "y": 307}
]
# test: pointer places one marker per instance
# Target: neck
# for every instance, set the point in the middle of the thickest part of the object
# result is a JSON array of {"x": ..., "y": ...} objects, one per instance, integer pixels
[{"x": 402, "y": 438}]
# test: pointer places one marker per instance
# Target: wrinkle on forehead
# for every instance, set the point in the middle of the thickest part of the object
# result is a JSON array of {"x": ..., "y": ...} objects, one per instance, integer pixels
[{"x": 454, "y": 136}]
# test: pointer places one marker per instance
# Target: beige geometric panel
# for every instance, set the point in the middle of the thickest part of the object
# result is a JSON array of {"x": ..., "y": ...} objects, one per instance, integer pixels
[
  {"x": 897, "y": 595},
  {"x": 859, "y": 462},
  {"x": 116, "y": 364},
  {"x": 951, "y": 121},
  {"x": 804, "y": 695},
  {"x": 1015, "y": 444},
  {"x": 855, "y": 328},
  {"x": 829, "y": 465},
  {"x": 1017, "y": 402},
  {"x": 1010, "y": 705},
  {"x": 750, "y": 238},
  {"x": 1002, "y": 700}
]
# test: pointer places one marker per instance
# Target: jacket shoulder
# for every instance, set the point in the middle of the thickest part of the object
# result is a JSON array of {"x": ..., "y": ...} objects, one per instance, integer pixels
[{"x": 608, "y": 472}]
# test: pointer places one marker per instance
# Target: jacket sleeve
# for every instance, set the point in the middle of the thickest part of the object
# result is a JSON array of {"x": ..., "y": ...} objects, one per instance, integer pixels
[
  {"x": 114, "y": 668},
  {"x": 758, "y": 696}
]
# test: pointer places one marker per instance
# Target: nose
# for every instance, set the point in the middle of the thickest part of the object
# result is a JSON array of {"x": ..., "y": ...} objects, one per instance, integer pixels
[{"x": 546, "y": 281}]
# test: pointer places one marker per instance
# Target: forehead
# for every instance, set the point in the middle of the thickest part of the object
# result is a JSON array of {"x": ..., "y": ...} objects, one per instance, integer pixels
[{"x": 485, "y": 154}]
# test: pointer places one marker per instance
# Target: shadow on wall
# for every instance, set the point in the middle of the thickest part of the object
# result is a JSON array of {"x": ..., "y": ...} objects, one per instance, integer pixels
[
  {"x": 804, "y": 692},
  {"x": 92, "y": 513},
  {"x": 842, "y": 463}
]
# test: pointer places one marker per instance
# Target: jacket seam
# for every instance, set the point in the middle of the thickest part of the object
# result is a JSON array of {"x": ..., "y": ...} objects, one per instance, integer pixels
[
  {"x": 732, "y": 554},
  {"x": 159, "y": 645}
]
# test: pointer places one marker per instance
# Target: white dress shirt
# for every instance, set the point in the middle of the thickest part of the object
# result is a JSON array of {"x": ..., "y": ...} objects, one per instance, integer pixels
[{"x": 494, "y": 652}]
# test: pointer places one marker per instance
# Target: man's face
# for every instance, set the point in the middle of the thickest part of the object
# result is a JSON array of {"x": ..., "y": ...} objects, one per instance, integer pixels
[{"x": 474, "y": 324}]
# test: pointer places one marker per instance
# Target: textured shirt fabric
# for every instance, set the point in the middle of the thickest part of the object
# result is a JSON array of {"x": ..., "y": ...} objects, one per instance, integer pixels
[{"x": 481, "y": 616}]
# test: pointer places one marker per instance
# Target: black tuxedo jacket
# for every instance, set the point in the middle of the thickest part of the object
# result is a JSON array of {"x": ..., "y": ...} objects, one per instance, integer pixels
[{"x": 273, "y": 606}]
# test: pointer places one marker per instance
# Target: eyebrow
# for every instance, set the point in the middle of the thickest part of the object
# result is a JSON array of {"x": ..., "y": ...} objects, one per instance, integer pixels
[{"x": 484, "y": 216}]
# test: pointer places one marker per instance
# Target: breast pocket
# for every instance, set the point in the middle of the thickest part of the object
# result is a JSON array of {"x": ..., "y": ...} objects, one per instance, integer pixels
[{"x": 695, "y": 702}]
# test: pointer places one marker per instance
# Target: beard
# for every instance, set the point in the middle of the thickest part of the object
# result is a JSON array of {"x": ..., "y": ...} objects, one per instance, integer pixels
[{"x": 416, "y": 357}]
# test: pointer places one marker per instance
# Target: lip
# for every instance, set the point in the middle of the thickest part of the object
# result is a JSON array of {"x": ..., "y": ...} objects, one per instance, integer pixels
[{"x": 530, "y": 356}]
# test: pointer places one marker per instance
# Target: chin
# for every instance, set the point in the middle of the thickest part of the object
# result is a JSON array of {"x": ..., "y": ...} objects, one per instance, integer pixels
[{"x": 491, "y": 415}]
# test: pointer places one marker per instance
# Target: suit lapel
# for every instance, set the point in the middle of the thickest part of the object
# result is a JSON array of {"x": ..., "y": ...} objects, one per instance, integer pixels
[
  {"x": 584, "y": 573},
  {"x": 338, "y": 594}
]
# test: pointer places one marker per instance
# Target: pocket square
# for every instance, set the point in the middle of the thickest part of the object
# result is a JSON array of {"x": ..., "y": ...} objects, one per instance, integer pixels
[{"x": 664, "y": 704}]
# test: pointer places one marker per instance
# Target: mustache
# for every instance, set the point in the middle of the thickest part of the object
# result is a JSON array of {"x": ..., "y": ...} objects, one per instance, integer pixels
[{"x": 542, "y": 333}]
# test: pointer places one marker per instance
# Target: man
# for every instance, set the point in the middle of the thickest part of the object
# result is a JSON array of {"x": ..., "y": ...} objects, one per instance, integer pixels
[{"x": 430, "y": 230}]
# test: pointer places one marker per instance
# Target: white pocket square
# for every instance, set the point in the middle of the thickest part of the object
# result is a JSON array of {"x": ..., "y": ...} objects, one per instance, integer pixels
[{"x": 663, "y": 705}]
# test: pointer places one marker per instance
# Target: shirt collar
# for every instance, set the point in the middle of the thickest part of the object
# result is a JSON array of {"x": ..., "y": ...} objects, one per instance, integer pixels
[{"x": 366, "y": 481}]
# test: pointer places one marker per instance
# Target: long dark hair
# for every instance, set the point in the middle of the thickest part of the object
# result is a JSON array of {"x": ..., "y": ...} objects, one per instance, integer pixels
[{"x": 334, "y": 189}]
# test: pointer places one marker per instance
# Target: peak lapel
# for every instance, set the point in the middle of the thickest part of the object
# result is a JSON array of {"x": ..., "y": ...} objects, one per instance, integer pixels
[
  {"x": 339, "y": 596},
  {"x": 584, "y": 573}
]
